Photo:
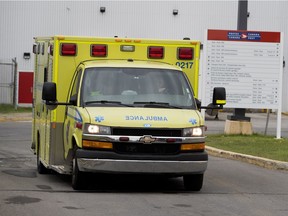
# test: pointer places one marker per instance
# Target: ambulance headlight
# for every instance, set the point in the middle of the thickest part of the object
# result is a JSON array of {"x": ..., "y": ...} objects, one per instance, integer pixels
[
  {"x": 195, "y": 131},
  {"x": 96, "y": 129}
]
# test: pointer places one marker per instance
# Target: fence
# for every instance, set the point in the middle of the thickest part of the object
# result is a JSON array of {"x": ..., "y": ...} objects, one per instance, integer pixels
[{"x": 8, "y": 73}]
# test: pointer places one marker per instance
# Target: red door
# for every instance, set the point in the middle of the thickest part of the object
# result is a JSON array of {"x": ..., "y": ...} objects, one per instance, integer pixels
[{"x": 25, "y": 87}]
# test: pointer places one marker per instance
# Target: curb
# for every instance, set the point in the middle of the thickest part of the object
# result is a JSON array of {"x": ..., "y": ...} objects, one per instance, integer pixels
[{"x": 259, "y": 161}]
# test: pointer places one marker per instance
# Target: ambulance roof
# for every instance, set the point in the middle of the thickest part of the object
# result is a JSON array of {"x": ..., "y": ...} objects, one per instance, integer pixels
[{"x": 129, "y": 63}]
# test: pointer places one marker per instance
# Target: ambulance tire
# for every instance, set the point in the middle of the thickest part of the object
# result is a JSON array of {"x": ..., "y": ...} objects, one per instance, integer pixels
[
  {"x": 77, "y": 177},
  {"x": 193, "y": 182}
]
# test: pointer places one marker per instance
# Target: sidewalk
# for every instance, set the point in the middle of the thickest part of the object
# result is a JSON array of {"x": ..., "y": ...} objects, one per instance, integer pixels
[
  {"x": 6, "y": 117},
  {"x": 258, "y": 121}
]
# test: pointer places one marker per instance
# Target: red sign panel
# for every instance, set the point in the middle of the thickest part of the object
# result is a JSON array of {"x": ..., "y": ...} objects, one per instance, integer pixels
[{"x": 244, "y": 36}]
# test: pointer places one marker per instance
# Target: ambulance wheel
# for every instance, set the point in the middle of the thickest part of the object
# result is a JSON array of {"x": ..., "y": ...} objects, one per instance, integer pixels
[
  {"x": 193, "y": 182},
  {"x": 77, "y": 177}
]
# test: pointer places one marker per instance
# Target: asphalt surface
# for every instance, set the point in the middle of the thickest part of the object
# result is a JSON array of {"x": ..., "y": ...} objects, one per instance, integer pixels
[
  {"x": 230, "y": 188},
  {"x": 262, "y": 123}
]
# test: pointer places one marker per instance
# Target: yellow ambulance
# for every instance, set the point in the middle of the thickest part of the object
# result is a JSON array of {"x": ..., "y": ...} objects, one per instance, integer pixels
[{"x": 119, "y": 106}]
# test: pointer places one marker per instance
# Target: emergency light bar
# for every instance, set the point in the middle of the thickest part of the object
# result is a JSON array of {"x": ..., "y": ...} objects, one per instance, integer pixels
[
  {"x": 98, "y": 50},
  {"x": 68, "y": 49},
  {"x": 101, "y": 50}
]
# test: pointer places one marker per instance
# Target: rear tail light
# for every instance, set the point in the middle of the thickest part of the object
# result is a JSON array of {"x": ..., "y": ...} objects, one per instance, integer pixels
[
  {"x": 50, "y": 49},
  {"x": 35, "y": 48},
  {"x": 98, "y": 50},
  {"x": 68, "y": 49},
  {"x": 156, "y": 52},
  {"x": 185, "y": 53}
]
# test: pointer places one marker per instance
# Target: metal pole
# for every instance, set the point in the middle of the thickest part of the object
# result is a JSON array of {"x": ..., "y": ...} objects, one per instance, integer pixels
[
  {"x": 15, "y": 83},
  {"x": 239, "y": 113},
  {"x": 267, "y": 121},
  {"x": 242, "y": 15}
]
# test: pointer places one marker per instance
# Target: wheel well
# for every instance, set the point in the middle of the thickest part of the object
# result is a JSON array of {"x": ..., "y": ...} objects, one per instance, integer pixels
[
  {"x": 74, "y": 143},
  {"x": 72, "y": 151}
]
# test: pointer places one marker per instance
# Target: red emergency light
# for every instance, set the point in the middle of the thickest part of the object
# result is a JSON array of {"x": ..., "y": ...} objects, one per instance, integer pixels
[
  {"x": 155, "y": 52},
  {"x": 98, "y": 50},
  {"x": 185, "y": 53},
  {"x": 68, "y": 49}
]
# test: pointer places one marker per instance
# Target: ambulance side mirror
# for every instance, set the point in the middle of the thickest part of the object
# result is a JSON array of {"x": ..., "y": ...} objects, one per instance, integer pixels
[
  {"x": 49, "y": 95},
  {"x": 219, "y": 99}
]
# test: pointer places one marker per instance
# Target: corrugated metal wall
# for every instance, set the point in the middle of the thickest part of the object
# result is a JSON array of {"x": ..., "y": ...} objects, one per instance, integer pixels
[
  {"x": 272, "y": 16},
  {"x": 20, "y": 21}
]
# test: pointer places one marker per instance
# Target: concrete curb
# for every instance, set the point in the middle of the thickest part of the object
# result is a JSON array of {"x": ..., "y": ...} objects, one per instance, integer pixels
[{"x": 259, "y": 161}]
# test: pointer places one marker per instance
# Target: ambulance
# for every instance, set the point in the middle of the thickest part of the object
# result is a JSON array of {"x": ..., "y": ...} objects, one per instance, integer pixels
[{"x": 119, "y": 106}]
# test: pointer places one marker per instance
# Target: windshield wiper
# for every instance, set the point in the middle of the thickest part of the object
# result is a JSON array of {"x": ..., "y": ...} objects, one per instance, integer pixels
[
  {"x": 157, "y": 104},
  {"x": 108, "y": 102}
]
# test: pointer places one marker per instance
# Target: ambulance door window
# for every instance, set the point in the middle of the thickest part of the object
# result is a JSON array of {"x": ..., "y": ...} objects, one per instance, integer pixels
[{"x": 75, "y": 87}]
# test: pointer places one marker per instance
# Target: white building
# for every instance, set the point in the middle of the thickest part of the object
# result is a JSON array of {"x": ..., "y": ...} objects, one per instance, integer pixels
[{"x": 20, "y": 21}]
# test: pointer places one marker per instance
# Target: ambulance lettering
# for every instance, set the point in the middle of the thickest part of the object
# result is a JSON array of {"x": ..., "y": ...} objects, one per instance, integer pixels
[
  {"x": 184, "y": 64},
  {"x": 146, "y": 118}
]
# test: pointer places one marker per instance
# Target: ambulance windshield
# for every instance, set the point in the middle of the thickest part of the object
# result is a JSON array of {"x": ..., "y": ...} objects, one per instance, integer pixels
[{"x": 137, "y": 87}]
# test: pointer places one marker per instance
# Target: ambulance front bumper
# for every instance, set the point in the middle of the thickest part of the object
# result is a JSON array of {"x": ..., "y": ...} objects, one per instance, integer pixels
[{"x": 109, "y": 162}]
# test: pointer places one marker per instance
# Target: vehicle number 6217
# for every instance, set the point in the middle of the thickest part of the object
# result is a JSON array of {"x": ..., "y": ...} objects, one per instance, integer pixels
[{"x": 184, "y": 64}]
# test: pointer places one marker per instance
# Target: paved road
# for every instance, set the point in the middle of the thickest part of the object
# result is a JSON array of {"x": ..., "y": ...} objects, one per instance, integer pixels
[{"x": 230, "y": 188}]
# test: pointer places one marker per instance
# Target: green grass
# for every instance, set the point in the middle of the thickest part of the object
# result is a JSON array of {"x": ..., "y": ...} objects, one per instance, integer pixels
[
  {"x": 7, "y": 108},
  {"x": 256, "y": 145}
]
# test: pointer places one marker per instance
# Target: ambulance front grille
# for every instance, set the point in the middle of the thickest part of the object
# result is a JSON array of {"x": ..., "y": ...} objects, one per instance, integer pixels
[
  {"x": 139, "y": 148},
  {"x": 145, "y": 131}
]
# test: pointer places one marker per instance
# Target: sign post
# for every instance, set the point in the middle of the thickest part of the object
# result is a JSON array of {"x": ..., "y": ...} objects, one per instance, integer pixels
[{"x": 249, "y": 65}]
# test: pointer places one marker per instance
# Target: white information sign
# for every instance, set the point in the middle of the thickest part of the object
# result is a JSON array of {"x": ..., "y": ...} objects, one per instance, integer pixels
[{"x": 247, "y": 64}]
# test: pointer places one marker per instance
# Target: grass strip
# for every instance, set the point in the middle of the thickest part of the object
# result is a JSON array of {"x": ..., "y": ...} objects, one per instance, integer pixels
[
  {"x": 7, "y": 108},
  {"x": 256, "y": 145}
]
